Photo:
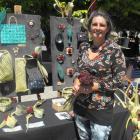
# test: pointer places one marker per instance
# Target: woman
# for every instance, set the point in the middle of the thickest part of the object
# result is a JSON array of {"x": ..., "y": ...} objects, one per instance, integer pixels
[{"x": 105, "y": 62}]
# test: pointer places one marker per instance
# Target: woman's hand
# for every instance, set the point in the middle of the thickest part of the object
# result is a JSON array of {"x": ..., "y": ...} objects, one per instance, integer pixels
[
  {"x": 76, "y": 86},
  {"x": 85, "y": 89},
  {"x": 95, "y": 86}
]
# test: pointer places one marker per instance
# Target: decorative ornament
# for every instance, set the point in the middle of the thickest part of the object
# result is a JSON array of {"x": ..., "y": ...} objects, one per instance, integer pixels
[
  {"x": 60, "y": 72},
  {"x": 35, "y": 110},
  {"x": 61, "y": 27},
  {"x": 31, "y": 23},
  {"x": 15, "y": 50},
  {"x": 5, "y": 103},
  {"x": 70, "y": 71},
  {"x": 60, "y": 58},
  {"x": 66, "y": 92},
  {"x": 9, "y": 121},
  {"x": 69, "y": 34},
  {"x": 133, "y": 106},
  {"x": 38, "y": 50},
  {"x": 69, "y": 51},
  {"x": 63, "y": 8},
  {"x": 59, "y": 42},
  {"x": 34, "y": 54},
  {"x": 38, "y": 112}
]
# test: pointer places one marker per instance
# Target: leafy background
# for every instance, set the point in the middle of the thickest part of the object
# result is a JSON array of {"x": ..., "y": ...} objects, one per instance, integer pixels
[{"x": 124, "y": 13}]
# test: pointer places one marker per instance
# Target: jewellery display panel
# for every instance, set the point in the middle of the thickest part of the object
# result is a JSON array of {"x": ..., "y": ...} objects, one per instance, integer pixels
[{"x": 64, "y": 50}]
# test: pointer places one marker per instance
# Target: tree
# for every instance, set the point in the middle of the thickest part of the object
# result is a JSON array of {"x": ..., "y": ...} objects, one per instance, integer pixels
[{"x": 125, "y": 13}]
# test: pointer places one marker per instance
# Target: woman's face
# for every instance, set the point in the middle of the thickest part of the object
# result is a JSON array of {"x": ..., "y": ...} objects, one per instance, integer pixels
[{"x": 99, "y": 28}]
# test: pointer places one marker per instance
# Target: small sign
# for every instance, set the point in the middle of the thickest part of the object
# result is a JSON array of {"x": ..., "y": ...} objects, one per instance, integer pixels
[
  {"x": 27, "y": 98},
  {"x": 35, "y": 125},
  {"x": 63, "y": 115},
  {"x": 15, "y": 129}
]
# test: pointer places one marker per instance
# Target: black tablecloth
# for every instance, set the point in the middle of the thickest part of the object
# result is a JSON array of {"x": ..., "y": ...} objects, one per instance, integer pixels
[
  {"x": 119, "y": 129},
  {"x": 54, "y": 128}
]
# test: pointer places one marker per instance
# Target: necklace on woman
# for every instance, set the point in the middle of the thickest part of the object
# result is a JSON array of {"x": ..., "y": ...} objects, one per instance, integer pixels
[
  {"x": 98, "y": 48},
  {"x": 94, "y": 48}
]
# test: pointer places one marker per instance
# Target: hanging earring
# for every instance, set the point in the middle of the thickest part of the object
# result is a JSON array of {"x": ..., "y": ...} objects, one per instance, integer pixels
[
  {"x": 60, "y": 72},
  {"x": 59, "y": 39},
  {"x": 59, "y": 42},
  {"x": 69, "y": 34}
]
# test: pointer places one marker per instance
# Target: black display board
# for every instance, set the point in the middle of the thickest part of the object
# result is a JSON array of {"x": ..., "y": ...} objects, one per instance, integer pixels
[
  {"x": 55, "y": 23},
  {"x": 33, "y": 34},
  {"x": 33, "y": 39}
]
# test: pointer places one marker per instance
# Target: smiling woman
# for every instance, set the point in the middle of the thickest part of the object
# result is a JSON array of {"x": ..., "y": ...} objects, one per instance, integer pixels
[
  {"x": 104, "y": 61},
  {"x": 99, "y": 29}
]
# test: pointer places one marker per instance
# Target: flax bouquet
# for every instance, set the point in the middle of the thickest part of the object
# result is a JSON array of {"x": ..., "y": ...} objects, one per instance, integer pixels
[
  {"x": 133, "y": 106},
  {"x": 86, "y": 81}
]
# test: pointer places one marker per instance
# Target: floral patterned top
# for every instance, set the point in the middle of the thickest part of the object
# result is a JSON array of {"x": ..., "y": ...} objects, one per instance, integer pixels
[{"x": 108, "y": 68}]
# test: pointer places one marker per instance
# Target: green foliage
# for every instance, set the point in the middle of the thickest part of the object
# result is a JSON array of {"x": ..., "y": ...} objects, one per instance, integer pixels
[
  {"x": 79, "y": 13},
  {"x": 125, "y": 13},
  {"x": 2, "y": 8}
]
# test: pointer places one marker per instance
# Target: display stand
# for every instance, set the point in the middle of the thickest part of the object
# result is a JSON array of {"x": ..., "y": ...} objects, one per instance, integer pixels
[
  {"x": 33, "y": 38},
  {"x": 62, "y": 25},
  {"x": 33, "y": 34}
]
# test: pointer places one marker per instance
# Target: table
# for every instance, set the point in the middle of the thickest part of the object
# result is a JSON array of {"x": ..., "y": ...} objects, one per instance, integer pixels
[
  {"x": 54, "y": 128},
  {"x": 119, "y": 131}
]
